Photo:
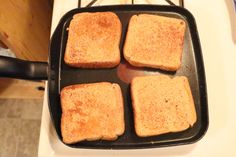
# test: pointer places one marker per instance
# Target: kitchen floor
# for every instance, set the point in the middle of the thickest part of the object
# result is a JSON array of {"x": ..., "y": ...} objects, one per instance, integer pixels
[
  {"x": 21, "y": 105},
  {"x": 20, "y": 121}
]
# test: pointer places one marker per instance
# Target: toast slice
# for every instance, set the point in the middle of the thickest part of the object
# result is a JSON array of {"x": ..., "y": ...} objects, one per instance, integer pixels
[
  {"x": 155, "y": 41},
  {"x": 92, "y": 112},
  {"x": 162, "y": 104},
  {"x": 93, "y": 40}
]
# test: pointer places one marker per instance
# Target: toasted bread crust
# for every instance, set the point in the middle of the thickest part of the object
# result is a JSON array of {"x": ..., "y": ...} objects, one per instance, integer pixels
[
  {"x": 93, "y": 40},
  {"x": 192, "y": 117},
  {"x": 92, "y": 112},
  {"x": 154, "y": 41},
  {"x": 162, "y": 105}
]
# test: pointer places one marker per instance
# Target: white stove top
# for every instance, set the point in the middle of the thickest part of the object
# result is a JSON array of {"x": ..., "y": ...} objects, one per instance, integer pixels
[{"x": 214, "y": 23}]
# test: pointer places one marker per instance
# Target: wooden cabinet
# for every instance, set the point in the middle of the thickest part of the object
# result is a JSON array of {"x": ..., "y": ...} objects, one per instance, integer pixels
[{"x": 25, "y": 27}]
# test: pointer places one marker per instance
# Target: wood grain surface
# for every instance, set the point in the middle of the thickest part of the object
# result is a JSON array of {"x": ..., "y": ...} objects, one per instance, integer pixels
[
  {"x": 21, "y": 89},
  {"x": 25, "y": 27}
]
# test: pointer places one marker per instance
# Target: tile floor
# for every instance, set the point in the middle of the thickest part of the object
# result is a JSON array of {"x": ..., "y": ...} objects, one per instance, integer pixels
[
  {"x": 19, "y": 127},
  {"x": 20, "y": 121}
]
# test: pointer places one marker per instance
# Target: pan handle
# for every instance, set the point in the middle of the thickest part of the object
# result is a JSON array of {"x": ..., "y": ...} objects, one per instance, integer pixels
[{"x": 21, "y": 69}]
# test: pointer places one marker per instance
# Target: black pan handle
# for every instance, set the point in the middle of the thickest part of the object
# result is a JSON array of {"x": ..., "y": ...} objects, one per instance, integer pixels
[{"x": 21, "y": 69}]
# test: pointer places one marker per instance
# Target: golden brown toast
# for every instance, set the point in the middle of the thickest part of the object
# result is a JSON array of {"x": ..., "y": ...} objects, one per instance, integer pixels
[
  {"x": 162, "y": 104},
  {"x": 93, "y": 40},
  {"x": 154, "y": 41},
  {"x": 91, "y": 112}
]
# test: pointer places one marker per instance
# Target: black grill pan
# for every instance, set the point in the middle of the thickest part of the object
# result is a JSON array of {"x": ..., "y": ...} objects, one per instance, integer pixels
[
  {"x": 192, "y": 67},
  {"x": 60, "y": 75}
]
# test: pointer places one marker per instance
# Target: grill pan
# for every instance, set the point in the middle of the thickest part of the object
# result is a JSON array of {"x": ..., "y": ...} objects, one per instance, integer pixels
[{"x": 60, "y": 75}]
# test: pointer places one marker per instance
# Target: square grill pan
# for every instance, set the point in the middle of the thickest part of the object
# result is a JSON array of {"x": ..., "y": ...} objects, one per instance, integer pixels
[{"x": 192, "y": 67}]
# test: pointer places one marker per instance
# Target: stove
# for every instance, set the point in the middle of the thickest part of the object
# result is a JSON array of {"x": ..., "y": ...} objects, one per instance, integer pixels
[
  {"x": 89, "y": 3},
  {"x": 216, "y": 31}
]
